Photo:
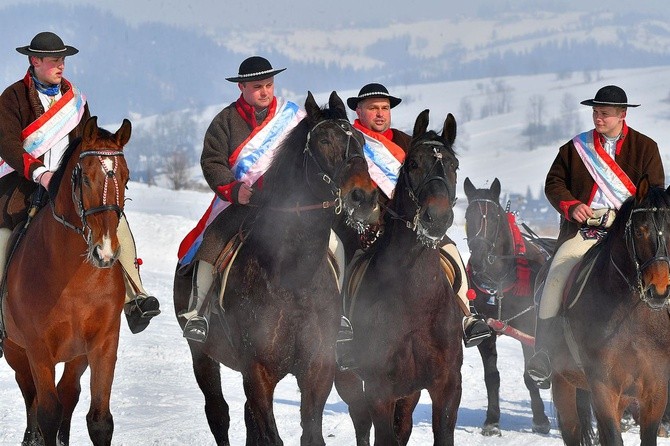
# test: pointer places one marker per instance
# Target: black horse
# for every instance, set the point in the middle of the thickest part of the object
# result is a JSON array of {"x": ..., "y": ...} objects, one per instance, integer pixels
[
  {"x": 502, "y": 271},
  {"x": 617, "y": 337},
  {"x": 281, "y": 307},
  {"x": 407, "y": 323}
]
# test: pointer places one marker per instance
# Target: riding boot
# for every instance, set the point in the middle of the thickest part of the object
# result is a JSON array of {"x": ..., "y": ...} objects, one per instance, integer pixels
[
  {"x": 139, "y": 306},
  {"x": 344, "y": 353},
  {"x": 197, "y": 326},
  {"x": 547, "y": 332},
  {"x": 475, "y": 330}
]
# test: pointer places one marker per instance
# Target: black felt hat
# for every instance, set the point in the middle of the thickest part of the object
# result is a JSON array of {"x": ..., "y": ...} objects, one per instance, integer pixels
[
  {"x": 47, "y": 44},
  {"x": 372, "y": 91},
  {"x": 254, "y": 68},
  {"x": 610, "y": 95}
]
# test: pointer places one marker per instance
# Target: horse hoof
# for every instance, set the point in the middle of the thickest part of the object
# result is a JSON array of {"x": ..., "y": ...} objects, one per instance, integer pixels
[
  {"x": 541, "y": 428},
  {"x": 664, "y": 429},
  {"x": 491, "y": 430},
  {"x": 627, "y": 421}
]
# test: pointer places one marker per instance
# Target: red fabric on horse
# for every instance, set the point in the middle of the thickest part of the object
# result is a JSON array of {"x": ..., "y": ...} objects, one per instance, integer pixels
[{"x": 521, "y": 286}]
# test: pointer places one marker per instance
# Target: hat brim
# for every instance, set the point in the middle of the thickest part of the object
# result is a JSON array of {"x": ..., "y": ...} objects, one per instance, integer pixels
[
  {"x": 253, "y": 77},
  {"x": 594, "y": 103},
  {"x": 67, "y": 51},
  {"x": 353, "y": 102}
]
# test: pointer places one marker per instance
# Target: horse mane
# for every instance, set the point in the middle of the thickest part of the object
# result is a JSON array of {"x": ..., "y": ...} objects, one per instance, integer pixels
[
  {"x": 54, "y": 184},
  {"x": 287, "y": 160}
]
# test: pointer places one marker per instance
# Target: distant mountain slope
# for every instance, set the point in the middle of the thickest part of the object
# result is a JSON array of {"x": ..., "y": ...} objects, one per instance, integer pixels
[{"x": 154, "y": 68}]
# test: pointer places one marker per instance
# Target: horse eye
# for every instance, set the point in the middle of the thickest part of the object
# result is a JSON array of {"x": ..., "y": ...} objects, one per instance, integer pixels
[{"x": 413, "y": 164}]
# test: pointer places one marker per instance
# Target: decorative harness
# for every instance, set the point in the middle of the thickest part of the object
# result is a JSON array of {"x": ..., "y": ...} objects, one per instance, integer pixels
[{"x": 110, "y": 176}]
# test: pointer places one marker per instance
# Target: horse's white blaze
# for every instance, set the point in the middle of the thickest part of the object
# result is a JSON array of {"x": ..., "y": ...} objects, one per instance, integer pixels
[
  {"x": 105, "y": 251},
  {"x": 107, "y": 165}
]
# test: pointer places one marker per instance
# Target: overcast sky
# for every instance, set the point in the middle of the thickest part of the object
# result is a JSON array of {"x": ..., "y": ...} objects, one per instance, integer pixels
[{"x": 243, "y": 14}]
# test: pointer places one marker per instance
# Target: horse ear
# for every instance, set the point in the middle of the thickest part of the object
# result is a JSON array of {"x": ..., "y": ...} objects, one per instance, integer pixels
[
  {"x": 495, "y": 187},
  {"x": 642, "y": 188},
  {"x": 421, "y": 124},
  {"x": 335, "y": 103},
  {"x": 449, "y": 129},
  {"x": 91, "y": 129},
  {"x": 312, "y": 108},
  {"x": 122, "y": 135},
  {"x": 468, "y": 187}
]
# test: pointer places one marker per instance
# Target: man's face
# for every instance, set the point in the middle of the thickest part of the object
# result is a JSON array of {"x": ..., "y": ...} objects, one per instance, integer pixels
[
  {"x": 258, "y": 94},
  {"x": 608, "y": 120},
  {"x": 375, "y": 114},
  {"x": 49, "y": 70}
]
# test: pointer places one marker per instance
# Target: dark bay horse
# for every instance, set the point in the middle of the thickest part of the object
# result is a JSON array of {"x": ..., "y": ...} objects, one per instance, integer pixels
[
  {"x": 281, "y": 310},
  {"x": 65, "y": 290},
  {"x": 407, "y": 323},
  {"x": 616, "y": 326},
  {"x": 503, "y": 291}
]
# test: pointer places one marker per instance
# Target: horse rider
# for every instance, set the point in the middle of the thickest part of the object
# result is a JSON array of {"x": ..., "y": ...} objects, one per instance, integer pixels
[
  {"x": 234, "y": 138},
  {"x": 373, "y": 110},
  {"x": 591, "y": 176},
  {"x": 40, "y": 115}
]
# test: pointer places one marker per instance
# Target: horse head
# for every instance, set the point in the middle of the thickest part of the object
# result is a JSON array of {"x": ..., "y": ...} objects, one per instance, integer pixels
[
  {"x": 427, "y": 180},
  {"x": 487, "y": 235},
  {"x": 644, "y": 220},
  {"x": 91, "y": 204},
  {"x": 336, "y": 149}
]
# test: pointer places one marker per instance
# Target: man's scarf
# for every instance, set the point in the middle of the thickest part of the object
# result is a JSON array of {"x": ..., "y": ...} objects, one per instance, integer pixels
[
  {"x": 52, "y": 126},
  {"x": 608, "y": 175},
  {"x": 384, "y": 158},
  {"x": 248, "y": 162}
]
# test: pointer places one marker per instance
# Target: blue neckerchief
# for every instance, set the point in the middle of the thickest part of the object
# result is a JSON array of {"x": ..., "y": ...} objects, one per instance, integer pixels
[{"x": 49, "y": 90}]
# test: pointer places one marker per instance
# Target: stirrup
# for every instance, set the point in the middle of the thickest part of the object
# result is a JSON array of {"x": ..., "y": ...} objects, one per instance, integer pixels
[
  {"x": 344, "y": 347},
  {"x": 196, "y": 328},
  {"x": 475, "y": 330},
  {"x": 539, "y": 369}
]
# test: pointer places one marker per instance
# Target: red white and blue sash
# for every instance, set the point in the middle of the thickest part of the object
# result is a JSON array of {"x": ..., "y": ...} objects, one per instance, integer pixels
[
  {"x": 608, "y": 175},
  {"x": 54, "y": 125},
  {"x": 384, "y": 159},
  {"x": 254, "y": 156}
]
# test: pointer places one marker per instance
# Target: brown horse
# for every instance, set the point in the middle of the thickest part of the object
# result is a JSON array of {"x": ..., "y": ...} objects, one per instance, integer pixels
[
  {"x": 407, "y": 323},
  {"x": 502, "y": 273},
  {"x": 281, "y": 309},
  {"x": 617, "y": 333},
  {"x": 65, "y": 290}
]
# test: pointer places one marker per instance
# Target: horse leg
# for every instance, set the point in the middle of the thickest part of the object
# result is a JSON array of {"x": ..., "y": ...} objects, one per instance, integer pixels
[
  {"x": 17, "y": 359},
  {"x": 651, "y": 413},
  {"x": 49, "y": 409},
  {"x": 446, "y": 397},
  {"x": 489, "y": 355},
  {"x": 315, "y": 384},
  {"x": 259, "y": 386},
  {"x": 404, "y": 408},
  {"x": 571, "y": 422},
  {"x": 382, "y": 412},
  {"x": 608, "y": 410},
  {"x": 208, "y": 376},
  {"x": 69, "y": 389},
  {"x": 99, "y": 418},
  {"x": 350, "y": 388},
  {"x": 664, "y": 427},
  {"x": 541, "y": 423}
]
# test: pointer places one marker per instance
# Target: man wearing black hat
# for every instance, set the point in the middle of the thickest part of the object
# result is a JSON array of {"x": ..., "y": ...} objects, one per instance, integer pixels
[
  {"x": 591, "y": 176},
  {"x": 230, "y": 166},
  {"x": 373, "y": 110},
  {"x": 29, "y": 155}
]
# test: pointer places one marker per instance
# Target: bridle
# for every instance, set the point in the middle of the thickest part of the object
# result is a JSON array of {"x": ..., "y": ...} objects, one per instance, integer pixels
[
  {"x": 437, "y": 172},
  {"x": 661, "y": 254},
  {"x": 335, "y": 190},
  {"x": 78, "y": 198}
]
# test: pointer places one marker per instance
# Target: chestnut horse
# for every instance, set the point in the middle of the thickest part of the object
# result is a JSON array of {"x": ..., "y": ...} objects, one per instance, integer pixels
[
  {"x": 405, "y": 316},
  {"x": 65, "y": 290},
  {"x": 616, "y": 340},
  {"x": 281, "y": 308},
  {"x": 502, "y": 293}
]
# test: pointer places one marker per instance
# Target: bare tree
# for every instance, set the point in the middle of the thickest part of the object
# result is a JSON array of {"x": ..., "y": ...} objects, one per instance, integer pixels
[
  {"x": 176, "y": 169},
  {"x": 465, "y": 110}
]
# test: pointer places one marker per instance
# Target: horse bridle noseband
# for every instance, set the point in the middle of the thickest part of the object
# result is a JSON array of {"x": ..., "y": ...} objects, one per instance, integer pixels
[
  {"x": 78, "y": 200},
  {"x": 661, "y": 254}
]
